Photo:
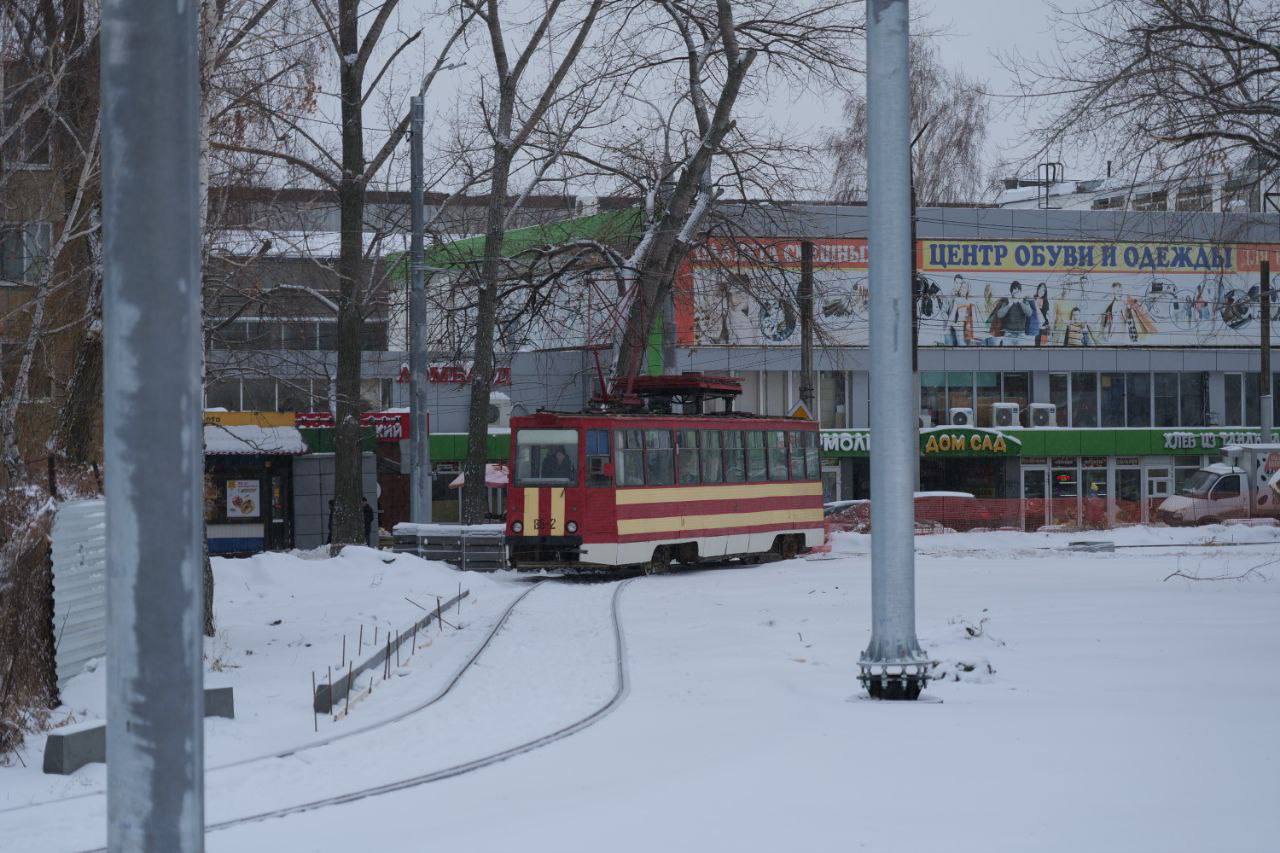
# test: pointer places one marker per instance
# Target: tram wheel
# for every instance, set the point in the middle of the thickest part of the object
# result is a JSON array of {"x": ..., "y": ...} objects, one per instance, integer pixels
[
  {"x": 788, "y": 548},
  {"x": 659, "y": 563}
]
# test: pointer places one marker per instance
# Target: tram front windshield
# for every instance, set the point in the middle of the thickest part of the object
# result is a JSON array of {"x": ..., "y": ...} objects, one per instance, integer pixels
[{"x": 546, "y": 457}]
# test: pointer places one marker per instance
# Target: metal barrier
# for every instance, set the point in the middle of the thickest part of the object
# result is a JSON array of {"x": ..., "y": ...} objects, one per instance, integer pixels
[
  {"x": 472, "y": 547},
  {"x": 79, "y": 548}
]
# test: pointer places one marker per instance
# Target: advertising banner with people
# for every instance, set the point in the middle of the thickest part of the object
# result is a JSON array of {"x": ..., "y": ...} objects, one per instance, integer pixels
[{"x": 984, "y": 293}]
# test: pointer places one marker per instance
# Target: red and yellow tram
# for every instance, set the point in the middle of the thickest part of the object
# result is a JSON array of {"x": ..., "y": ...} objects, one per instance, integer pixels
[{"x": 611, "y": 490}]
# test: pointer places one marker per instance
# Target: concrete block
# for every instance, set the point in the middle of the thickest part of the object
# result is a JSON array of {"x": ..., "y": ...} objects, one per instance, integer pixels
[
  {"x": 219, "y": 702},
  {"x": 71, "y": 747}
]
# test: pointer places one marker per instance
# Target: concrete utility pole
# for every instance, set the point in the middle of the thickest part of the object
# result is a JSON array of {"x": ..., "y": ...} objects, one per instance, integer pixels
[
  {"x": 152, "y": 434},
  {"x": 420, "y": 465},
  {"x": 893, "y": 666},
  {"x": 1264, "y": 379},
  {"x": 804, "y": 296}
]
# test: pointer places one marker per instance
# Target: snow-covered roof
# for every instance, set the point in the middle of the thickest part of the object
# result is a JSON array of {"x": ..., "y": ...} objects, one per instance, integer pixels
[{"x": 252, "y": 441}]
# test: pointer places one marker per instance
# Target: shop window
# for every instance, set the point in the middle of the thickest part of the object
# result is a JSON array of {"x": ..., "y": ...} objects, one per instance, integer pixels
[
  {"x": 690, "y": 471},
  {"x": 1194, "y": 398},
  {"x": 775, "y": 393},
  {"x": 598, "y": 457},
  {"x": 1233, "y": 396},
  {"x": 959, "y": 392},
  {"x": 1137, "y": 399},
  {"x": 987, "y": 387},
  {"x": 833, "y": 408},
  {"x": 735, "y": 470},
  {"x": 1084, "y": 399},
  {"x": 259, "y": 395},
  {"x": 712, "y": 460},
  {"x": 293, "y": 395},
  {"x": 1165, "y": 386},
  {"x": 327, "y": 335},
  {"x": 299, "y": 335},
  {"x": 1112, "y": 399},
  {"x": 1252, "y": 399},
  {"x": 658, "y": 462},
  {"x": 223, "y": 394},
  {"x": 1060, "y": 396},
  {"x": 757, "y": 468},
  {"x": 1017, "y": 389},
  {"x": 749, "y": 399},
  {"x": 777, "y": 445},
  {"x": 933, "y": 395}
]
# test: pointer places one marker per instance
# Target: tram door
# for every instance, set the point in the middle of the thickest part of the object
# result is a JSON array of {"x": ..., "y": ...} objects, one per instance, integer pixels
[{"x": 1035, "y": 493}]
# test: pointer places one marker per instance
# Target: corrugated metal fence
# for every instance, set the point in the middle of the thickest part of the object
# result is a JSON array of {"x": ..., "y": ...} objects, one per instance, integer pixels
[{"x": 79, "y": 586}]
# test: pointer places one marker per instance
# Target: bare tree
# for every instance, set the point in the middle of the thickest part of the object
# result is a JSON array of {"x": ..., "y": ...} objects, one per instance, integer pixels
[
  {"x": 950, "y": 114},
  {"x": 513, "y": 109},
  {"x": 1178, "y": 85},
  {"x": 710, "y": 55},
  {"x": 363, "y": 47}
]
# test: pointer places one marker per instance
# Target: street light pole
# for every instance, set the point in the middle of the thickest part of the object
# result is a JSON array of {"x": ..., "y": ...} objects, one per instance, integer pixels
[
  {"x": 420, "y": 465},
  {"x": 893, "y": 665},
  {"x": 152, "y": 434}
]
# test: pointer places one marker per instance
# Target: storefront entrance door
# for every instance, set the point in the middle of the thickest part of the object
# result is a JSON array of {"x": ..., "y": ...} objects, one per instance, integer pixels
[
  {"x": 1157, "y": 474},
  {"x": 1035, "y": 492},
  {"x": 830, "y": 484},
  {"x": 1129, "y": 496}
]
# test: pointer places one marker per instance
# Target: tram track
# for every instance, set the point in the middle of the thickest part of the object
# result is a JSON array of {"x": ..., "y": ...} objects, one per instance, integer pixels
[
  {"x": 621, "y": 688},
  {"x": 338, "y": 736}
]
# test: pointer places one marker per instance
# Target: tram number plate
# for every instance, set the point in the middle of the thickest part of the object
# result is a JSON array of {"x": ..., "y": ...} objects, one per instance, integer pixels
[{"x": 544, "y": 524}]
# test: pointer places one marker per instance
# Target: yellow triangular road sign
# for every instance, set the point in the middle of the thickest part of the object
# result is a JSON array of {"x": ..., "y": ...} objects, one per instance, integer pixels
[{"x": 801, "y": 411}]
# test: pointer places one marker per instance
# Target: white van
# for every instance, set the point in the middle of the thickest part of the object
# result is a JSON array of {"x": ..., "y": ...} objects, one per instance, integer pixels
[{"x": 1246, "y": 484}]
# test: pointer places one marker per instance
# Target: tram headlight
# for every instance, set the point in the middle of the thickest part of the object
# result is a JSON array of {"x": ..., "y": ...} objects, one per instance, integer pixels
[
  {"x": 572, "y": 527},
  {"x": 517, "y": 527}
]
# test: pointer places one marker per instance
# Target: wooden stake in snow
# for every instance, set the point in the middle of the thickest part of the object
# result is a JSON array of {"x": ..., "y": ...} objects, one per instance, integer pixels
[
  {"x": 397, "y": 648},
  {"x": 315, "y": 718},
  {"x": 439, "y": 622},
  {"x": 458, "y": 609},
  {"x": 360, "y": 642},
  {"x": 335, "y": 713},
  {"x": 347, "y": 711},
  {"x": 344, "y": 650}
]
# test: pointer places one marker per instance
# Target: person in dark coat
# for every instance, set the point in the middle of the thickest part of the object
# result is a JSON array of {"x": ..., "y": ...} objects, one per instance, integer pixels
[{"x": 367, "y": 512}]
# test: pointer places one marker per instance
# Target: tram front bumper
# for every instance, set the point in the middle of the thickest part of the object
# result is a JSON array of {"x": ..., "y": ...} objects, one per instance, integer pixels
[{"x": 533, "y": 551}]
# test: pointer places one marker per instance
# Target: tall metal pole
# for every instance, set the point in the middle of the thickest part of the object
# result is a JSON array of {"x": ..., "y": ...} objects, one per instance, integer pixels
[
  {"x": 420, "y": 467},
  {"x": 1264, "y": 379},
  {"x": 893, "y": 666},
  {"x": 804, "y": 296},
  {"x": 152, "y": 436}
]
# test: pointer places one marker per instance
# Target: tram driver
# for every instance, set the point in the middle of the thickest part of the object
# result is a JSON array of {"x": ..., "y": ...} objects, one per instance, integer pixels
[{"x": 556, "y": 465}]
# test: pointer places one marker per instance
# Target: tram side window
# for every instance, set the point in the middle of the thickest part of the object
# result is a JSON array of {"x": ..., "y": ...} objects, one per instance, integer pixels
[
  {"x": 777, "y": 441},
  {"x": 757, "y": 469},
  {"x": 712, "y": 471},
  {"x": 734, "y": 469},
  {"x": 658, "y": 461},
  {"x": 597, "y": 457},
  {"x": 797, "y": 454},
  {"x": 628, "y": 446},
  {"x": 812, "y": 461},
  {"x": 687, "y": 457}
]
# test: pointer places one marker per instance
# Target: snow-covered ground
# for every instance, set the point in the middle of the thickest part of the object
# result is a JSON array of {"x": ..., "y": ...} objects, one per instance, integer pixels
[{"x": 1088, "y": 705}]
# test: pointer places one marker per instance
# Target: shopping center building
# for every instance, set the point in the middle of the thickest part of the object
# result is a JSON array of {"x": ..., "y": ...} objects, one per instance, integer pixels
[{"x": 1079, "y": 363}]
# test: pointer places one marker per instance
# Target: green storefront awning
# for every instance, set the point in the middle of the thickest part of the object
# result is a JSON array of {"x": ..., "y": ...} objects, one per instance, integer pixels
[{"x": 1054, "y": 441}]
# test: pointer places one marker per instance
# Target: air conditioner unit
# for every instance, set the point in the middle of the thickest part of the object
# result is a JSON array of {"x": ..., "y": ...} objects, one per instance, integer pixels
[
  {"x": 1044, "y": 415},
  {"x": 1005, "y": 414},
  {"x": 499, "y": 409},
  {"x": 960, "y": 417}
]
